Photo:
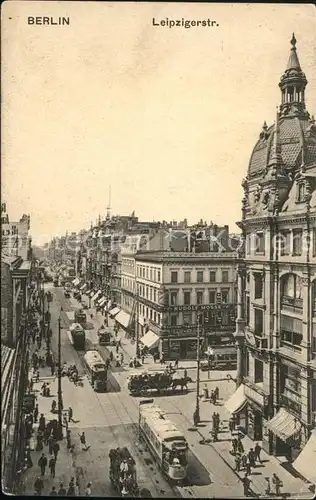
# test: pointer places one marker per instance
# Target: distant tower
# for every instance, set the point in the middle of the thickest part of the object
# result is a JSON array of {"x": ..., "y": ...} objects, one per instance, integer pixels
[{"x": 108, "y": 208}]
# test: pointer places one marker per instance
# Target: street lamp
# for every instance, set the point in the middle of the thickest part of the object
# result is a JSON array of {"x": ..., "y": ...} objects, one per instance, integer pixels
[
  {"x": 137, "y": 324},
  {"x": 197, "y": 405},
  {"x": 59, "y": 391}
]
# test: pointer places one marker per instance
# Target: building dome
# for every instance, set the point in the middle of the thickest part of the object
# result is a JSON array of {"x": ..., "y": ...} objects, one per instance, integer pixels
[
  {"x": 283, "y": 160},
  {"x": 296, "y": 139}
]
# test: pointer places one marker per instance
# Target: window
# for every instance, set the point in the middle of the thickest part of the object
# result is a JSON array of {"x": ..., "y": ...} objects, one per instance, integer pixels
[
  {"x": 211, "y": 296},
  {"x": 158, "y": 318},
  {"x": 151, "y": 314},
  {"x": 258, "y": 285},
  {"x": 155, "y": 315},
  {"x": 225, "y": 294},
  {"x": 173, "y": 319},
  {"x": 199, "y": 276},
  {"x": 151, "y": 293},
  {"x": 187, "y": 298},
  {"x": 212, "y": 276},
  {"x": 187, "y": 277},
  {"x": 199, "y": 298},
  {"x": 225, "y": 276},
  {"x": 258, "y": 371},
  {"x": 292, "y": 287},
  {"x": 158, "y": 279},
  {"x": 285, "y": 242},
  {"x": 151, "y": 274},
  {"x": 300, "y": 194},
  {"x": 155, "y": 295},
  {"x": 187, "y": 318},
  {"x": 173, "y": 298},
  {"x": 297, "y": 241},
  {"x": 259, "y": 243},
  {"x": 258, "y": 322},
  {"x": 174, "y": 276},
  {"x": 225, "y": 318},
  {"x": 146, "y": 292},
  {"x": 147, "y": 273}
]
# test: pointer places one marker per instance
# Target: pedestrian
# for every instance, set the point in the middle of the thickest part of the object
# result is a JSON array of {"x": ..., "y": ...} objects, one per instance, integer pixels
[
  {"x": 88, "y": 490},
  {"x": 240, "y": 446},
  {"x": 234, "y": 445},
  {"x": 246, "y": 484},
  {"x": 277, "y": 484},
  {"x": 231, "y": 424},
  {"x": 39, "y": 441},
  {"x": 70, "y": 414},
  {"x": 54, "y": 406},
  {"x": 85, "y": 447},
  {"x": 251, "y": 457},
  {"x": 212, "y": 397},
  {"x": 268, "y": 486},
  {"x": 65, "y": 421},
  {"x": 214, "y": 420},
  {"x": 143, "y": 359},
  {"x": 117, "y": 360},
  {"x": 28, "y": 457},
  {"x": 46, "y": 435},
  {"x": 35, "y": 413},
  {"x": 38, "y": 486},
  {"x": 111, "y": 356},
  {"x": 37, "y": 376},
  {"x": 176, "y": 363},
  {"x": 42, "y": 423},
  {"x": 53, "y": 492},
  {"x": 162, "y": 359},
  {"x": 185, "y": 374},
  {"x": 237, "y": 462},
  {"x": 31, "y": 384},
  {"x": 52, "y": 466},
  {"x": 71, "y": 490},
  {"x": 216, "y": 392},
  {"x": 52, "y": 369},
  {"x": 195, "y": 418},
  {"x": 42, "y": 463},
  {"x": 205, "y": 392},
  {"x": 117, "y": 347},
  {"x": 62, "y": 491},
  {"x": 122, "y": 358},
  {"x": 218, "y": 421},
  {"x": 39, "y": 341},
  {"x": 244, "y": 460},
  {"x": 257, "y": 452},
  {"x": 248, "y": 466},
  {"x": 56, "y": 449}
]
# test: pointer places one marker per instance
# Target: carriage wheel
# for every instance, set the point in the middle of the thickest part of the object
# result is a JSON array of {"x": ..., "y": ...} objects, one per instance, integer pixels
[{"x": 145, "y": 391}]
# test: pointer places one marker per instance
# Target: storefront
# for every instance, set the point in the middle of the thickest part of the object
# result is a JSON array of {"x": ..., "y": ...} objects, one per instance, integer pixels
[
  {"x": 257, "y": 407},
  {"x": 180, "y": 348},
  {"x": 237, "y": 406},
  {"x": 286, "y": 429}
]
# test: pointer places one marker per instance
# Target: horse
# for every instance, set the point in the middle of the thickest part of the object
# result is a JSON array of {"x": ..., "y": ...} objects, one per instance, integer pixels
[{"x": 181, "y": 382}]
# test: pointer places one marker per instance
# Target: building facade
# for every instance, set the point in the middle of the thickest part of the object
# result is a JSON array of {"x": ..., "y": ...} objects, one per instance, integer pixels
[
  {"x": 15, "y": 238},
  {"x": 173, "y": 288},
  {"x": 276, "y": 320}
]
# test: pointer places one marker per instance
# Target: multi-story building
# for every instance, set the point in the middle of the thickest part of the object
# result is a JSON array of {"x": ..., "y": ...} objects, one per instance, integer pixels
[
  {"x": 15, "y": 238},
  {"x": 276, "y": 321},
  {"x": 173, "y": 288}
]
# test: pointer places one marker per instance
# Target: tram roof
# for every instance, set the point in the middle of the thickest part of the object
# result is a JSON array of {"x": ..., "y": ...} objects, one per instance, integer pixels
[
  {"x": 93, "y": 357},
  {"x": 160, "y": 424}
]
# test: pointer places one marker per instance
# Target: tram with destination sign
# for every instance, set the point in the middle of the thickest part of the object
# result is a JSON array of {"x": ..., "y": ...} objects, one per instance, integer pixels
[
  {"x": 96, "y": 370},
  {"x": 166, "y": 443}
]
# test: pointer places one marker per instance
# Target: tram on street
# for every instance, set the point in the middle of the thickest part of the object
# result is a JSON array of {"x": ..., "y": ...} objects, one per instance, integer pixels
[
  {"x": 166, "y": 443},
  {"x": 96, "y": 370},
  {"x": 77, "y": 336},
  {"x": 81, "y": 317},
  {"x": 220, "y": 358},
  {"x": 104, "y": 336}
]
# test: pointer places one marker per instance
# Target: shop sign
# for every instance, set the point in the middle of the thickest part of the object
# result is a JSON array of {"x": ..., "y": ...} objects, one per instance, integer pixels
[
  {"x": 255, "y": 396},
  {"x": 203, "y": 307}
]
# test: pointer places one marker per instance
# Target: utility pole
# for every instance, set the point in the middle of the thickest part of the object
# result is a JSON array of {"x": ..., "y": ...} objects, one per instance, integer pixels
[
  {"x": 59, "y": 391},
  {"x": 197, "y": 406},
  {"x": 137, "y": 323}
]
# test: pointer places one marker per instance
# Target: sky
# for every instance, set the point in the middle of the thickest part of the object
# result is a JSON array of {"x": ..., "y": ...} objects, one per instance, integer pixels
[{"x": 168, "y": 116}]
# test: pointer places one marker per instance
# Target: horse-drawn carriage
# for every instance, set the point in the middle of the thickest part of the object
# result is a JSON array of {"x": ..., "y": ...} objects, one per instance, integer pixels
[
  {"x": 123, "y": 472},
  {"x": 143, "y": 384}
]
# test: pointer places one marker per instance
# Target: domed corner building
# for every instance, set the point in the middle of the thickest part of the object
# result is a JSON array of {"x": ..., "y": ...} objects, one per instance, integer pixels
[{"x": 275, "y": 400}]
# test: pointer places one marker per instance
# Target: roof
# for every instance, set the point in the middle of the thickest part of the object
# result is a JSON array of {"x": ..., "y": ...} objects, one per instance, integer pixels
[
  {"x": 159, "y": 423},
  {"x": 294, "y": 136}
]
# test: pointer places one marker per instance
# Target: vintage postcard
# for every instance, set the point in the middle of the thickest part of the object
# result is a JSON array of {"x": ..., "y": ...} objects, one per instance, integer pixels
[{"x": 158, "y": 249}]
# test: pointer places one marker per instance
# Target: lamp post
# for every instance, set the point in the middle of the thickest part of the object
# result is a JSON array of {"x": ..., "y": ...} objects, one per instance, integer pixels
[
  {"x": 59, "y": 391},
  {"x": 137, "y": 324},
  {"x": 197, "y": 404}
]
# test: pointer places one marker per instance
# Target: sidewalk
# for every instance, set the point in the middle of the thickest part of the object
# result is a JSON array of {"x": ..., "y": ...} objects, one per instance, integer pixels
[{"x": 292, "y": 486}]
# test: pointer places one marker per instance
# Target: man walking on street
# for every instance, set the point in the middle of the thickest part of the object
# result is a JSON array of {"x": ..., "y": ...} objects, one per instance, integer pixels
[
  {"x": 85, "y": 447},
  {"x": 42, "y": 463},
  {"x": 246, "y": 484},
  {"x": 52, "y": 466},
  {"x": 70, "y": 414},
  {"x": 38, "y": 486},
  {"x": 62, "y": 491},
  {"x": 35, "y": 414},
  {"x": 257, "y": 452},
  {"x": 56, "y": 449}
]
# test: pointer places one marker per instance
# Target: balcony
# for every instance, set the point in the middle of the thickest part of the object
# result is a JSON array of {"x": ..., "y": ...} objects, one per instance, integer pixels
[{"x": 292, "y": 304}]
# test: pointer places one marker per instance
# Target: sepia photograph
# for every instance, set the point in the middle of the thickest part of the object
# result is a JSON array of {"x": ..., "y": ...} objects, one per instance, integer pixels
[{"x": 158, "y": 249}]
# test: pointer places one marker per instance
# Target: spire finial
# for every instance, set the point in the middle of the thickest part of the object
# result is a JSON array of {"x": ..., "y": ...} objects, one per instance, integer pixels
[{"x": 293, "y": 41}]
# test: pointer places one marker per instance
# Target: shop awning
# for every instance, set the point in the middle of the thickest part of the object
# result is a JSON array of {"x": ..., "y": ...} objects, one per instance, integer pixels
[
  {"x": 102, "y": 301},
  {"x": 150, "y": 339},
  {"x": 96, "y": 295},
  {"x": 114, "y": 311},
  {"x": 123, "y": 318},
  {"x": 83, "y": 287},
  {"x": 76, "y": 281},
  {"x": 284, "y": 425},
  {"x": 108, "y": 305},
  {"x": 305, "y": 463},
  {"x": 237, "y": 400}
]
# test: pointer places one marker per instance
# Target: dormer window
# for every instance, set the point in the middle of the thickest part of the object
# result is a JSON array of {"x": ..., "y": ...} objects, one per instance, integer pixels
[{"x": 300, "y": 195}]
